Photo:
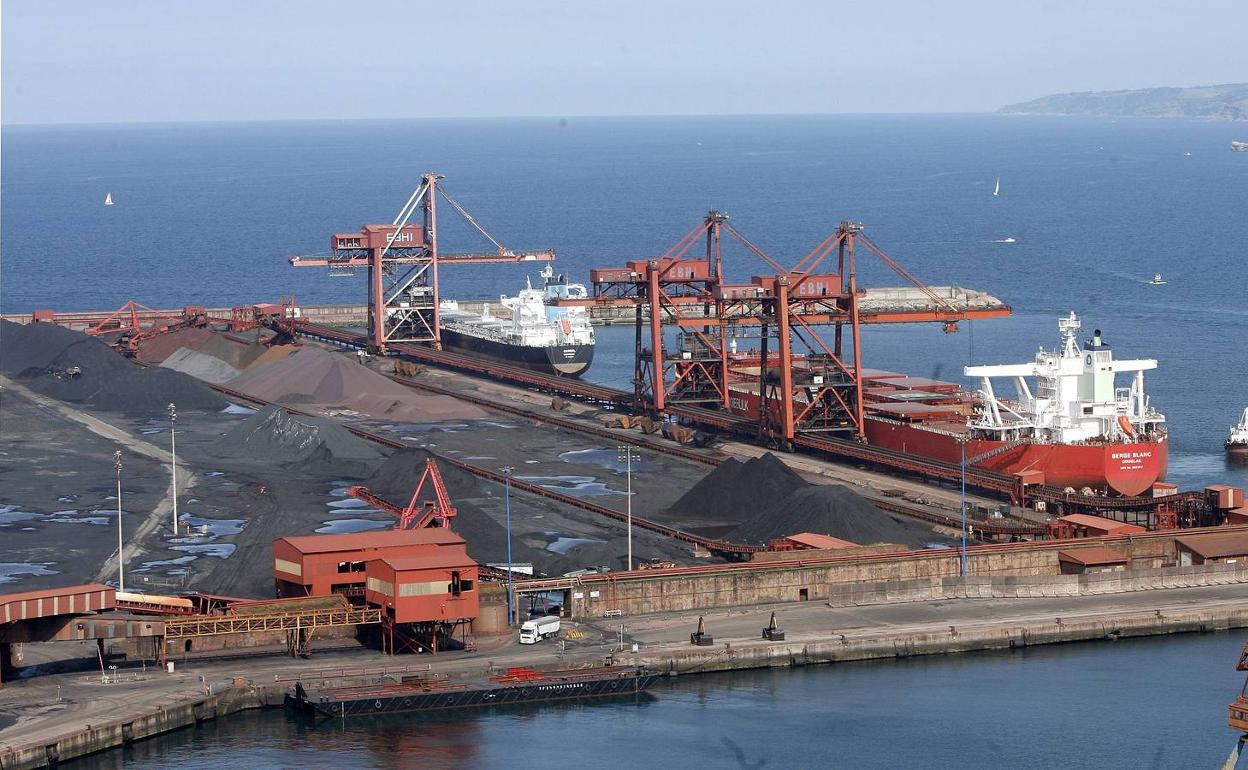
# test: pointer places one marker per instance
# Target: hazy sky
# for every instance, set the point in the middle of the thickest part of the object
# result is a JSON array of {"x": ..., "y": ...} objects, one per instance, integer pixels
[{"x": 80, "y": 61}]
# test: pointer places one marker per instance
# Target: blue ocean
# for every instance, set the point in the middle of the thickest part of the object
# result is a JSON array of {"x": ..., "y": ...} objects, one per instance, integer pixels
[{"x": 210, "y": 213}]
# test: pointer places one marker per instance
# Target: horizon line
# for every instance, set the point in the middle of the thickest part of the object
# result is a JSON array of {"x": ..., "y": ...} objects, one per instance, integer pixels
[{"x": 600, "y": 116}]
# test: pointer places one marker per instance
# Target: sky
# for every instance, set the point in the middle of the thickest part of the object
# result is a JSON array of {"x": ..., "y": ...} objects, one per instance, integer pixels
[{"x": 122, "y": 61}]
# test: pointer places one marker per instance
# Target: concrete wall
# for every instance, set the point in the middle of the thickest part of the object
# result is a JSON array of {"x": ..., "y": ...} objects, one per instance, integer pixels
[{"x": 1002, "y": 574}]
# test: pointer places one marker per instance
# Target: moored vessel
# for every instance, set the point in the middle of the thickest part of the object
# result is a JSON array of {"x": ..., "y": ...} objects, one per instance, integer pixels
[
  {"x": 1237, "y": 441},
  {"x": 1074, "y": 428},
  {"x": 428, "y": 692},
  {"x": 526, "y": 329}
]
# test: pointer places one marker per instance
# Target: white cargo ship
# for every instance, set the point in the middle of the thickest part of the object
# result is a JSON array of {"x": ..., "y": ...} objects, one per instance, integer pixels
[{"x": 525, "y": 329}]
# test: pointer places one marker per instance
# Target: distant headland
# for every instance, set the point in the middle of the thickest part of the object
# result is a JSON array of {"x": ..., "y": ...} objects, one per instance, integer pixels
[{"x": 1225, "y": 102}]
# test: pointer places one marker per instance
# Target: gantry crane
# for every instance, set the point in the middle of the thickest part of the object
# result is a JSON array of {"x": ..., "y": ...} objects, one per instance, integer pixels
[
  {"x": 786, "y": 306},
  {"x": 402, "y": 261},
  {"x": 417, "y": 514}
]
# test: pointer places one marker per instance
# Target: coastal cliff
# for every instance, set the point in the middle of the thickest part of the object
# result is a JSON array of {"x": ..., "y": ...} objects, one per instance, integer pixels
[{"x": 1224, "y": 102}]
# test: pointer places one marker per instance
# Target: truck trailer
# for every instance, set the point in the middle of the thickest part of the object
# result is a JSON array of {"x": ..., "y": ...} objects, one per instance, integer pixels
[{"x": 537, "y": 629}]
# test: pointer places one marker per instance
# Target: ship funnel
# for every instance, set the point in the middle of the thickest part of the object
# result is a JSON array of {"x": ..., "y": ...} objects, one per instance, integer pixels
[{"x": 1096, "y": 337}]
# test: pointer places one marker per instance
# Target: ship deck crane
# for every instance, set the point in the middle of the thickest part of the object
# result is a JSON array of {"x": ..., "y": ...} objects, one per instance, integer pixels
[
  {"x": 417, "y": 514},
  {"x": 402, "y": 260}
]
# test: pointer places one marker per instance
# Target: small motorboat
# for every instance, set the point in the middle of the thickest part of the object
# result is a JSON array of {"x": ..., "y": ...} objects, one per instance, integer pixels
[
  {"x": 1157, "y": 280},
  {"x": 1006, "y": 239}
]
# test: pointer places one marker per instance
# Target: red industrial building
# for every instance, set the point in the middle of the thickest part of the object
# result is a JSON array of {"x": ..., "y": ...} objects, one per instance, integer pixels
[
  {"x": 1212, "y": 548},
  {"x": 423, "y": 595},
  {"x": 1085, "y": 525},
  {"x": 320, "y": 565},
  {"x": 1083, "y": 561}
]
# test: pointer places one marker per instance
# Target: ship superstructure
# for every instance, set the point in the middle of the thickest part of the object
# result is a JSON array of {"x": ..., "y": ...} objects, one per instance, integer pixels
[
  {"x": 1237, "y": 442},
  {"x": 1076, "y": 397},
  {"x": 526, "y": 329}
]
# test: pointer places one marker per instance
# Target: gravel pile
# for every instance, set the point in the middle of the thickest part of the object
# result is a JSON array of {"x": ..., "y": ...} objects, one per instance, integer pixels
[
  {"x": 833, "y": 510},
  {"x": 274, "y": 436},
  {"x": 314, "y": 376},
  {"x": 201, "y": 366},
  {"x": 737, "y": 490},
  {"x": 71, "y": 366}
]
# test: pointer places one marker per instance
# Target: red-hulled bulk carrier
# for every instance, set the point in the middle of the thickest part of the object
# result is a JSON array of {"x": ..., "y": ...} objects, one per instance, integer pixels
[{"x": 1075, "y": 428}]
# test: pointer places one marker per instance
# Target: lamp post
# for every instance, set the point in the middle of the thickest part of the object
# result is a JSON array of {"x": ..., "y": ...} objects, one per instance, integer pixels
[
  {"x": 627, "y": 456},
  {"x": 963, "y": 444},
  {"x": 173, "y": 442},
  {"x": 121, "y": 553},
  {"x": 507, "y": 509}
]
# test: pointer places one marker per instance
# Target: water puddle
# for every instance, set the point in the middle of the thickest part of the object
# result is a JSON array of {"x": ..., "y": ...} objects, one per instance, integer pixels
[
  {"x": 214, "y": 527},
  {"x": 10, "y": 514},
  {"x": 219, "y": 550},
  {"x": 607, "y": 458},
  {"x": 349, "y": 502},
  {"x": 577, "y": 486},
  {"x": 562, "y": 545},
  {"x": 480, "y": 457},
  {"x": 10, "y": 571},
  {"x": 180, "y": 561},
  {"x": 238, "y": 409},
  {"x": 346, "y": 526}
]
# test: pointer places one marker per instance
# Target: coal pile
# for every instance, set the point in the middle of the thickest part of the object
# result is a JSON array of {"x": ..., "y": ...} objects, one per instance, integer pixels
[
  {"x": 833, "y": 510},
  {"x": 314, "y": 376},
  {"x": 275, "y": 436},
  {"x": 71, "y": 366},
  {"x": 396, "y": 480},
  {"x": 736, "y": 490}
]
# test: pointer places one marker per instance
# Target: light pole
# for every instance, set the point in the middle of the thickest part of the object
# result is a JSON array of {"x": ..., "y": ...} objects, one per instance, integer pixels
[
  {"x": 963, "y": 443},
  {"x": 627, "y": 456},
  {"x": 121, "y": 553},
  {"x": 173, "y": 442},
  {"x": 507, "y": 509}
]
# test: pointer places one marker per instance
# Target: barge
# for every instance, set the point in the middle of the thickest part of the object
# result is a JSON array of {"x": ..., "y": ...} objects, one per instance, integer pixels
[{"x": 438, "y": 693}]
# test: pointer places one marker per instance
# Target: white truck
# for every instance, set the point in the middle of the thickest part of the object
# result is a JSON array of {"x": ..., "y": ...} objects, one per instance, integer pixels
[{"x": 537, "y": 629}]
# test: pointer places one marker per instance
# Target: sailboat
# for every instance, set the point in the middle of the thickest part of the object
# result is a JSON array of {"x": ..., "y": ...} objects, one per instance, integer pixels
[
  {"x": 997, "y": 190},
  {"x": 108, "y": 199}
]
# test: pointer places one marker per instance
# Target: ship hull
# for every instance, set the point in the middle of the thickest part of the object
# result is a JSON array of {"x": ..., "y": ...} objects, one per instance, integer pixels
[
  {"x": 398, "y": 700},
  {"x": 1128, "y": 469},
  {"x": 563, "y": 360},
  {"x": 1237, "y": 452}
]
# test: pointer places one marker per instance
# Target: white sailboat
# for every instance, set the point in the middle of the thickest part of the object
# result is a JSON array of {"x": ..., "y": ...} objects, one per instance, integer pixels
[
  {"x": 997, "y": 190},
  {"x": 108, "y": 199}
]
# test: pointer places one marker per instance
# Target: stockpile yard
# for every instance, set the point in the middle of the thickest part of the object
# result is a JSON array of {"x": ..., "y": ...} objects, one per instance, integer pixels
[{"x": 250, "y": 473}]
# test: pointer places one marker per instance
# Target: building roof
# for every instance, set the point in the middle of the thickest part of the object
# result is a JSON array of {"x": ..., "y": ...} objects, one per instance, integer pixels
[
  {"x": 66, "y": 600},
  {"x": 815, "y": 540},
  {"x": 444, "y": 558},
  {"x": 1094, "y": 556},
  {"x": 363, "y": 541},
  {"x": 1100, "y": 522},
  {"x": 1216, "y": 545}
]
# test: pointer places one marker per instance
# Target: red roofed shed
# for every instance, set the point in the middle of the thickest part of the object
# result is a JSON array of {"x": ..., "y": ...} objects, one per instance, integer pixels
[{"x": 320, "y": 565}]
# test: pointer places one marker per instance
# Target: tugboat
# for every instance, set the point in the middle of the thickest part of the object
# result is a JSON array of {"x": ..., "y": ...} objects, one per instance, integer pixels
[
  {"x": 1237, "y": 442},
  {"x": 525, "y": 329},
  {"x": 428, "y": 692}
]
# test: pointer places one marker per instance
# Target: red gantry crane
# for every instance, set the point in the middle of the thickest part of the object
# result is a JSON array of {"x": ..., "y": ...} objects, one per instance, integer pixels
[
  {"x": 417, "y": 515},
  {"x": 692, "y": 294},
  {"x": 402, "y": 260}
]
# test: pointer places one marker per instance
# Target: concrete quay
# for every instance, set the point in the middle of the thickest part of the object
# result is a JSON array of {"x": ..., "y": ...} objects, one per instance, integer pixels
[{"x": 44, "y": 719}]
